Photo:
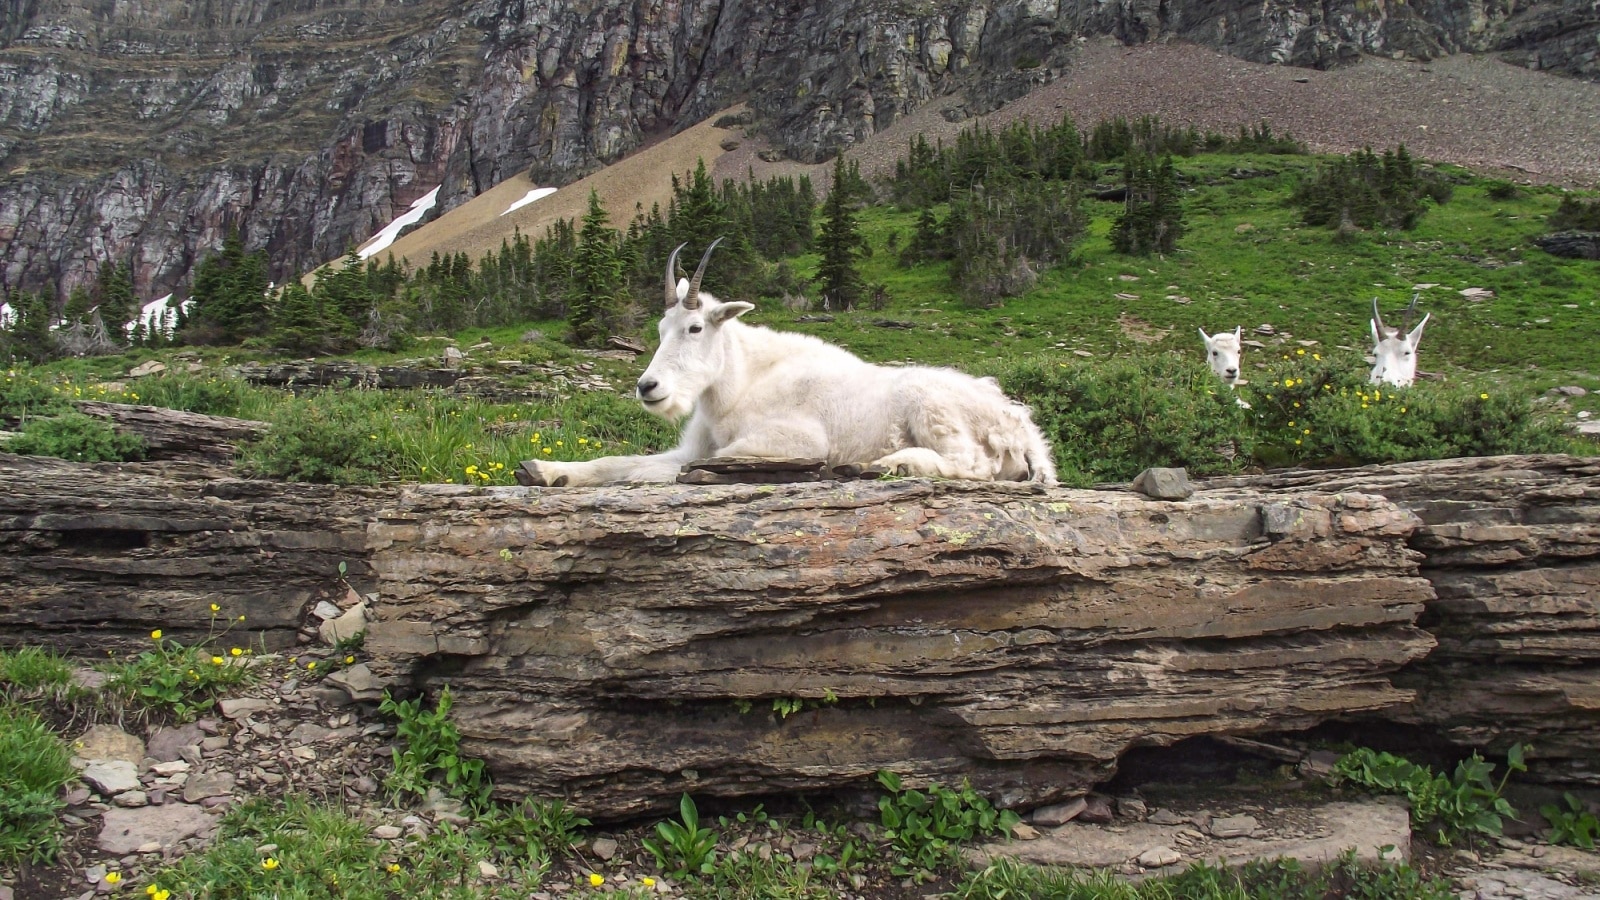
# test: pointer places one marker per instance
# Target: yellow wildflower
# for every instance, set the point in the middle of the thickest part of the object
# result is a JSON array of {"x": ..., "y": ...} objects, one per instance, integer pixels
[
  {"x": 311, "y": 665},
  {"x": 215, "y": 608},
  {"x": 216, "y": 660},
  {"x": 349, "y": 659},
  {"x": 596, "y": 879},
  {"x": 1288, "y": 382},
  {"x": 547, "y": 451},
  {"x": 472, "y": 470},
  {"x": 269, "y": 864},
  {"x": 647, "y": 881},
  {"x": 1402, "y": 409},
  {"x": 394, "y": 867},
  {"x": 235, "y": 652},
  {"x": 1300, "y": 352},
  {"x": 1483, "y": 396},
  {"x": 113, "y": 877},
  {"x": 155, "y": 635}
]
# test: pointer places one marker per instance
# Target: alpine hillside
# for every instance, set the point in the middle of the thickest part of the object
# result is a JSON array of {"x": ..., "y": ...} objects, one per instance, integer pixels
[{"x": 142, "y": 133}]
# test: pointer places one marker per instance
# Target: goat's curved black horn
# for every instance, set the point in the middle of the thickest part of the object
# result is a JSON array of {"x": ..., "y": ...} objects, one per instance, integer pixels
[
  {"x": 1410, "y": 313},
  {"x": 693, "y": 300},
  {"x": 672, "y": 276}
]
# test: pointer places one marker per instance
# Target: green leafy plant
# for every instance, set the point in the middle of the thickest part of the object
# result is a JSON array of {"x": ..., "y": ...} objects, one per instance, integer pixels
[
  {"x": 925, "y": 827},
  {"x": 1573, "y": 824},
  {"x": 1469, "y": 801},
  {"x": 183, "y": 680},
  {"x": 34, "y": 764},
  {"x": 430, "y": 752},
  {"x": 684, "y": 847}
]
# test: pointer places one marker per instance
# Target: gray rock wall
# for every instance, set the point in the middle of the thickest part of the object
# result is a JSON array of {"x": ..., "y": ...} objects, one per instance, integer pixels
[{"x": 143, "y": 132}]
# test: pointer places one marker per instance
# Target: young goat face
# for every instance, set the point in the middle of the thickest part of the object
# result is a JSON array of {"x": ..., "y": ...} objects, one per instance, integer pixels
[
  {"x": 1222, "y": 354},
  {"x": 1394, "y": 351},
  {"x": 692, "y": 352}
]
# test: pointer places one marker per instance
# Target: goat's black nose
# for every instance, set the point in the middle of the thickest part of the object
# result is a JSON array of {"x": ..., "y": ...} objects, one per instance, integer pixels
[
  {"x": 1231, "y": 373},
  {"x": 646, "y": 385}
]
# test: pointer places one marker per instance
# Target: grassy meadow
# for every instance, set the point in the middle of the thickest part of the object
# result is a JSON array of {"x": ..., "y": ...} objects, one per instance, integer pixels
[{"x": 1103, "y": 346}]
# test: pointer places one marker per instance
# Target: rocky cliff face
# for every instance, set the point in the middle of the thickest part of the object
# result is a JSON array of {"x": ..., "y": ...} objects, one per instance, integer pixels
[{"x": 143, "y": 132}]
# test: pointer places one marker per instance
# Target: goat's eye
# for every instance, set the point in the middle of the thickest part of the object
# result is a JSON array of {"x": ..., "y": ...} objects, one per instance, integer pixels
[
  {"x": 1215, "y": 353},
  {"x": 695, "y": 329}
]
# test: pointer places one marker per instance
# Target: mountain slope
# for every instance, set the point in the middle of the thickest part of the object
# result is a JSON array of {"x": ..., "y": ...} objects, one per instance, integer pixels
[{"x": 141, "y": 133}]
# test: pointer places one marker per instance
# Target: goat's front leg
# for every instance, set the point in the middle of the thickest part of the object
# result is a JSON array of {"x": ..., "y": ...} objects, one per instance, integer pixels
[
  {"x": 605, "y": 470},
  {"x": 779, "y": 440}
]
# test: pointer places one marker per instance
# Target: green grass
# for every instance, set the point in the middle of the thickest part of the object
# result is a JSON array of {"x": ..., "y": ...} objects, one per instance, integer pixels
[
  {"x": 182, "y": 681},
  {"x": 1276, "y": 880},
  {"x": 34, "y": 765},
  {"x": 1299, "y": 279},
  {"x": 33, "y": 670}
]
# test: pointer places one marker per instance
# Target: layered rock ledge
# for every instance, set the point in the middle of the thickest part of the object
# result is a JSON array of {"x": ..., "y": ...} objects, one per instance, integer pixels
[{"x": 619, "y": 646}]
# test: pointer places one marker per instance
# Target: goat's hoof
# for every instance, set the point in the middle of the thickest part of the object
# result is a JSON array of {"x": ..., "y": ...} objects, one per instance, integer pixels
[{"x": 528, "y": 475}]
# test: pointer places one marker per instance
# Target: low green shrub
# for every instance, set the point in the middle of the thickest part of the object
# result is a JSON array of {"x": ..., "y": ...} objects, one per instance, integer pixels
[
  {"x": 1573, "y": 214},
  {"x": 1109, "y": 421},
  {"x": 927, "y": 827},
  {"x": 34, "y": 765},
  {"x": 1320, "y": 410},
  {"x": 684, "y": 847},
  {"x": 1468, "y": 801},
  {"x": 75, "y": 436},
  {"x": 1571, "y": 822},
  {"x": 429, "y": 753}
]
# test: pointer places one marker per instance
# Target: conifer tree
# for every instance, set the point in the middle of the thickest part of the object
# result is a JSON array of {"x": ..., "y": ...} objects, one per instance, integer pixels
[
  {"x": 597, "y": 298},
  {"x": 1152, "y": 220},
  {"x": 228, "y": 295},
  {"x": 113, "y": 294},
  {"x": 840, "y": 243}
]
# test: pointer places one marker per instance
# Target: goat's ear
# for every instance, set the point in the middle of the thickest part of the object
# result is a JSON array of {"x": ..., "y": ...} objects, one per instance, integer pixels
[
  {"x": 1415, "y": 337},
  {"x": 730, "y": 310},
  {"x": 1238, "y": 332},
  {"x": 1204, "y": 337},
  {"x": 683, "y": 289},
  {"x": 1376, "y": 337}
]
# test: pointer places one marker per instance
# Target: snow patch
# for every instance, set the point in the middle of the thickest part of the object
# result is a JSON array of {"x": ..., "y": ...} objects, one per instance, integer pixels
[
  {"x": 529, "y": 197},
  {"x": 384, "y": 238},
  {"x": 159, "y": 315}
]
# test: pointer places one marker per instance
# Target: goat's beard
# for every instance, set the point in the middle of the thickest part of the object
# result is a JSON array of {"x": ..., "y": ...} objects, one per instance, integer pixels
[{"x": 672, "y": 409}]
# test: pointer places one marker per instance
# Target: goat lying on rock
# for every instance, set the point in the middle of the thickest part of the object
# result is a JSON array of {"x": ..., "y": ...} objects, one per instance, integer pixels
[{"x": 749, "y": 391}]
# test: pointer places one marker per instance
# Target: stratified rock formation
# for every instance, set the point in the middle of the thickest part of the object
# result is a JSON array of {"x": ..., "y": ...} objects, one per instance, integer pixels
[
  {"x": 1511, "y": 546},
  {"x": 95, "y": 557},
  {"x": 619, "y": 646}
]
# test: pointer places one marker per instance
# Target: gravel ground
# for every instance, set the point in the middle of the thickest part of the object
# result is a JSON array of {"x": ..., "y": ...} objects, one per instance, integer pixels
[{"x": 1475, "y": 111}]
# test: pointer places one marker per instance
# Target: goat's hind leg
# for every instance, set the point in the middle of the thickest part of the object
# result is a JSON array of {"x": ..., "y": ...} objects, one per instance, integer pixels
[{"x": 923, "y": 462}]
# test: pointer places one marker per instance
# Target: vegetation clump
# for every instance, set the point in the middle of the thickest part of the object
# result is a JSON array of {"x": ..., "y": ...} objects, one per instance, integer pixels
[
  {"x": 1464, "y": 803},
  {"x": 1366, "y": 190}
]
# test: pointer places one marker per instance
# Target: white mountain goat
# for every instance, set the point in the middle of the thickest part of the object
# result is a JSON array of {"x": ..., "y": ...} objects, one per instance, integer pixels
[
  {"x": 1222, "y": 354},
  {"x": 749, "y": 391},
  {"x": 1394, "y": 350}
]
